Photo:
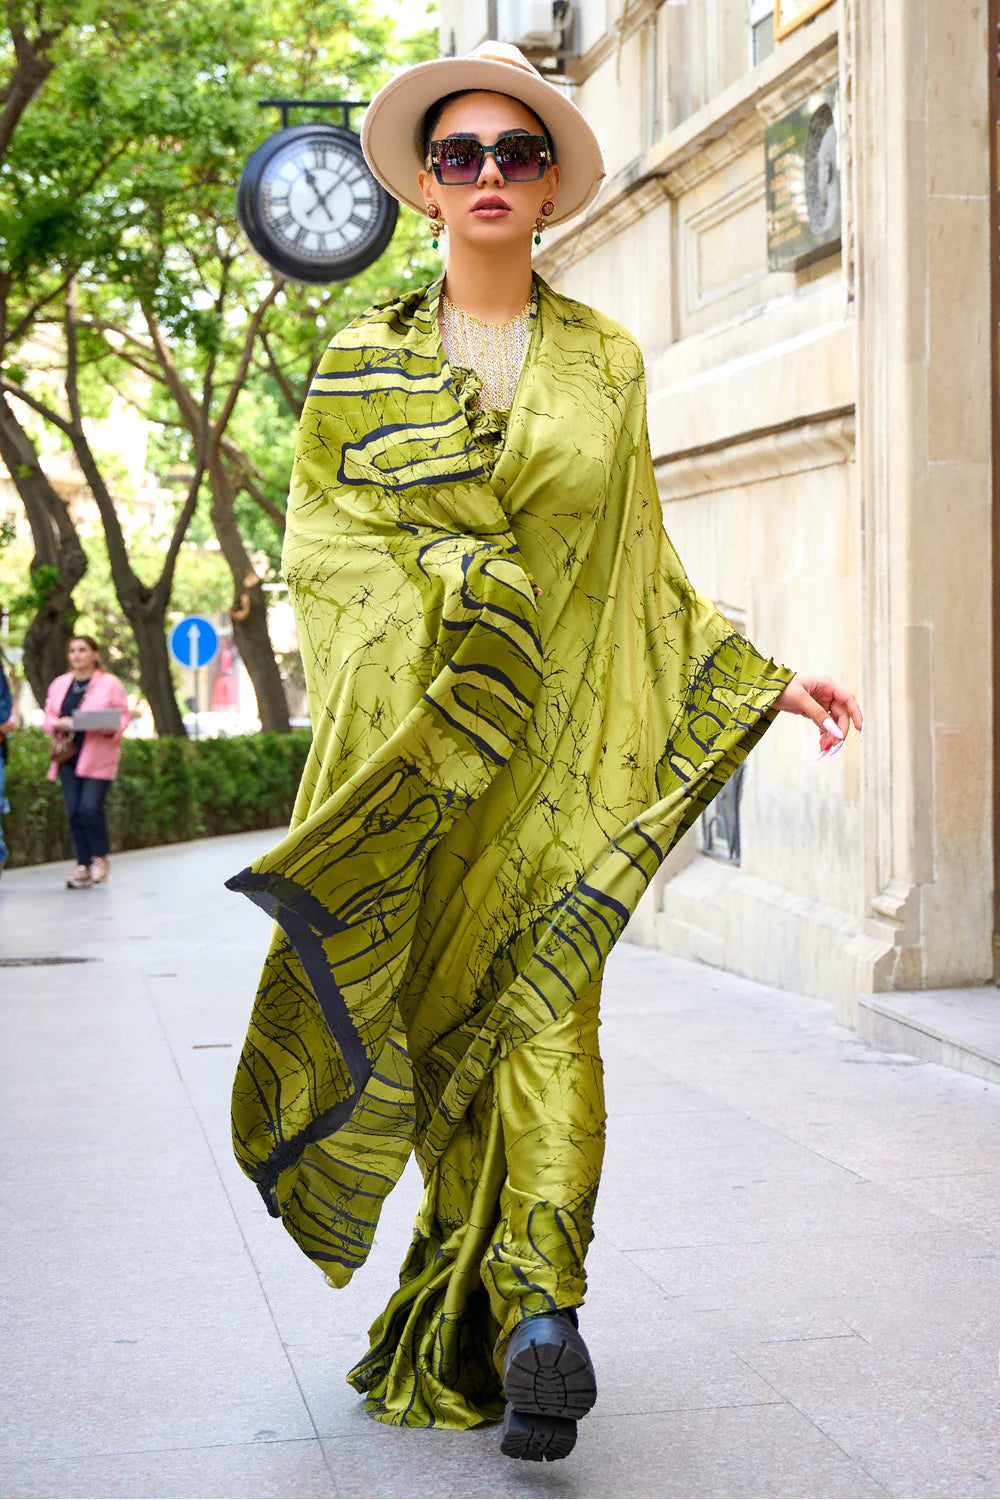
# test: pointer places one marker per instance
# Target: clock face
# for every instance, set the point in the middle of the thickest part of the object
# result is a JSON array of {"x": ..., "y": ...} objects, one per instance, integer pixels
[{"x": 310, "y": 206}]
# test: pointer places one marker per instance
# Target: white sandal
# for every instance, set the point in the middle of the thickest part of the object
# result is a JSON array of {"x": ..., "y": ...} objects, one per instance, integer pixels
[
  {"x": 80, "y": 880},
  {"x": 100, "y": 869}
]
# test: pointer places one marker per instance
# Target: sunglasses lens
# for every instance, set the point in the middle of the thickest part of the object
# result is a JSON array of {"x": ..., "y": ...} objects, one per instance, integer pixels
[
  {"x": 459, "y": 160},
  {"x": 519, "y": 157}
]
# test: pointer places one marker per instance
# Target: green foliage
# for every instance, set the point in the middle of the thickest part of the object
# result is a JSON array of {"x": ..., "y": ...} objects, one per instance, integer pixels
[
  {"x": 23, "y": 592},
  {"x": 202, "y": 585},
  {"x": 122, "y": 174},
  {"x": 167, "y": 790}
]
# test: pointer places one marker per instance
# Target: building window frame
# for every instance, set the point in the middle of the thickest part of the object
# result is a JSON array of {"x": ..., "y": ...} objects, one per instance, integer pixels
[{"x": 759, "y": 13}]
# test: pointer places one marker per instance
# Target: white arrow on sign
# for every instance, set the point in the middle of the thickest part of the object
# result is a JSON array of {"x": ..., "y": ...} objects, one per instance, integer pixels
[{"x": 193, "y": 644}]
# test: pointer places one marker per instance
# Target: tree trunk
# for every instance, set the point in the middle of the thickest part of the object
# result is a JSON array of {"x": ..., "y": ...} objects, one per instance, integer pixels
[
  {"x": 249, "y": 611},
  {"x": 145, "y": 608},
  {"x": 57, "y": 548},
  {"x": 46, "y": 640},
  {"x": 148, "y": 619}
]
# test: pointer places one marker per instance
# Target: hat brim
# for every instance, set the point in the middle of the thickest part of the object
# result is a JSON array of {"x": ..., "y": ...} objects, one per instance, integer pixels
[{"x": 390, "y": 132}]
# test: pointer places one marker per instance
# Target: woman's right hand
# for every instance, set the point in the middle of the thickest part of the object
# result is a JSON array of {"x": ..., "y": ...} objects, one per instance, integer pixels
[{"x": 65, "y": 724}]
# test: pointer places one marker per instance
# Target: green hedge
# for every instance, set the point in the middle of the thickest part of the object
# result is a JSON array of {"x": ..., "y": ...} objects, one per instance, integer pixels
[{"x": 167, "y": 790}]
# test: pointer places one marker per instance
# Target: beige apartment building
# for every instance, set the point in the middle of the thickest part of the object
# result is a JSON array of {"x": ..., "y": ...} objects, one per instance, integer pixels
[{"x": 796, "y": 227}]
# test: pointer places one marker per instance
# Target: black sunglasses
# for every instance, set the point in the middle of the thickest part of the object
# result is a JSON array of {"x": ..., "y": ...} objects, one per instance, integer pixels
[{"x": 519, "y": 158}]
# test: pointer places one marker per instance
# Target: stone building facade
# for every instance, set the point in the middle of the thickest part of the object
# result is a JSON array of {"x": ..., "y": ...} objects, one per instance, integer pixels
[{"x": 822, "y": 440}]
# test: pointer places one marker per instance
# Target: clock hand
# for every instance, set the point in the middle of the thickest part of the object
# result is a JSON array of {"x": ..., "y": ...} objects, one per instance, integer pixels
[
  {"x": 338, "y": 179},
  {"x": 320, "y": 197}
]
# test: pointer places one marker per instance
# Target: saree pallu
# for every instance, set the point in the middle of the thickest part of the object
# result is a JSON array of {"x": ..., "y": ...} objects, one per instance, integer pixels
[{"x": 519, "y": 703}]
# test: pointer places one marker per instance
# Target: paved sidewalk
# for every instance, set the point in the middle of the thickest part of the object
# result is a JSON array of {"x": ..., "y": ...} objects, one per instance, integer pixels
[{"x": 794, "y": 1285}]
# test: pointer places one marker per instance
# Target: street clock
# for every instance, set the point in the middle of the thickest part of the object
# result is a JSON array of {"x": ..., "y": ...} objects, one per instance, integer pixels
[{"x": 310, "y": 206}]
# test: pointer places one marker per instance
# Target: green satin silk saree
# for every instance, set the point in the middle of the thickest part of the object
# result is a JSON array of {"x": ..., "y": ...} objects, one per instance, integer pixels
[{"x": 519, "y": 703}]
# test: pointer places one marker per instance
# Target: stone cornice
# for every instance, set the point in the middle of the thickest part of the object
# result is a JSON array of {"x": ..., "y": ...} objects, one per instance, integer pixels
[{"x": 808, "y": 445}]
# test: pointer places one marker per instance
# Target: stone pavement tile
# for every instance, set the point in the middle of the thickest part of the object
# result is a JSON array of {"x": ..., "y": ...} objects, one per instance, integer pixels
[
  {"x": 411, "y": 1463},
  {"x": 150, "y": 1387},
  {"x": 910, "y": 1146},
  {"x": 208, "y": 991},
  {"x": 970, "y": 1200},
  {"x": 57, "y": 1192},
  {"x": 921, "y": 1289},
  {"x": 64, "y": 1037},
  {"x": 690, "y": 1212},
  {"x": 720, "y": 1451},
  {"x": 132, "y": 1278},
  {"x": 697, "y": 1146},
  {"x": 632, "y": 1324},
  {"x": 629, "y": 1078},
  {"x": 320, "y": 1369},
  {"x": 921, "y": 1423},
  {"x": 673, "y": 1376},
  {"x": 72, "y": 1130},
  {"x": 667, "y": 1097},
  {"x": 269, "y": 1470},
  {"x": 305, "y": 1308}
]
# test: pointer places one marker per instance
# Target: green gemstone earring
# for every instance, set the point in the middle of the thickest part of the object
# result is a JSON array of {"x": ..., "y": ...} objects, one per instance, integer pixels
[
  {"x": 437, "y": 223},
  {"x": 547, "y": 208}
]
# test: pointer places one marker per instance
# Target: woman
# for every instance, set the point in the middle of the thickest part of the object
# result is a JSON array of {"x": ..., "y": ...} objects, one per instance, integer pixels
[
  {"x": 519, "y": 703},
  {"x": 86, "y": 762}
]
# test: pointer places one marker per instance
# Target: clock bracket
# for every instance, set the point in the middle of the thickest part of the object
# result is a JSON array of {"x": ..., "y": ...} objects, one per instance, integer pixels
[{"x": 343, "y": 105}]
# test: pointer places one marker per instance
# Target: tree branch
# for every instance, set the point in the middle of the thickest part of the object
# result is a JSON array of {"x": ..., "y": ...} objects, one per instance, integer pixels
[
  {"x": 11, "y": 388},
  {"x": 243, "y": 481},
  {"x": 169, "y": 375},
  {"x": 32, "y": 67},
  {"x": 293, "y": 399},
  {"x": 163, "y": 586},
  {"x": 250, "y": 338},
  {"x": 122, "y": 572}
]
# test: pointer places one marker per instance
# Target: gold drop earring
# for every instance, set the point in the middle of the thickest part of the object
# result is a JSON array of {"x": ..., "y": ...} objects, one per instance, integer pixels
[
  {"x": 548, "y": 208},
  {"x": 437, "y": 223}
]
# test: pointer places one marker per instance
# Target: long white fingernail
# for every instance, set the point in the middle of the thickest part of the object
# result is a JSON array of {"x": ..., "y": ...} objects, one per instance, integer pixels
[
  {"x": 861, "y": 732},
  {"x": 832, "y": 728}
]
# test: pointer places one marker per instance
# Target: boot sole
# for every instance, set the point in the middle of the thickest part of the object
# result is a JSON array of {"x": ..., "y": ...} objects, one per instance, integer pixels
[
  {"x": 536, "y": 1438},
  {"x": 552, "y": 1376}
]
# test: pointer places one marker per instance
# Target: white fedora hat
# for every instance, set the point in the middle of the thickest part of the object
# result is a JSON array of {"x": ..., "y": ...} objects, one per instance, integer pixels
[{"x": 391, "y": 133}]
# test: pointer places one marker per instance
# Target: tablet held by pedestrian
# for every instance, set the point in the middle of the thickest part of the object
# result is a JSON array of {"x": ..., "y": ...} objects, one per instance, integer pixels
[
  {"x": 86, "y": 714},
  {"x": 519, "y": 702}
]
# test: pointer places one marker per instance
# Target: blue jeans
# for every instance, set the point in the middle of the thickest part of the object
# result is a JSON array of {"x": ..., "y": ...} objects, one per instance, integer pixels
[
  {"x": 4, "y": 808},
  {"x": 84, "y": 797}
]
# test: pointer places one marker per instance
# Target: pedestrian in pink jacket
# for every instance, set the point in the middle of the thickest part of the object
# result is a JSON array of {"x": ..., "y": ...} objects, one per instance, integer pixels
[{"x": 86, "y": 762}]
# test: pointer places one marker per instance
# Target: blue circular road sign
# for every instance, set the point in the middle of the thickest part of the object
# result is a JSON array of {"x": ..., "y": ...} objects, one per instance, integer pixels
[{"x": 193, "y": 641}]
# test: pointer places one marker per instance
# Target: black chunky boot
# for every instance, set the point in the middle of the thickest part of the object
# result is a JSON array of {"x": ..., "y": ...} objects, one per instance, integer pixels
[
  {"x": 549, "y": 1382},
  {"x": 532, "y": 1437}
]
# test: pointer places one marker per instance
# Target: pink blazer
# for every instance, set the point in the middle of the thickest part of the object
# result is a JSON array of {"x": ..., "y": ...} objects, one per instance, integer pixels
[{"x": 100, "y": 753}]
